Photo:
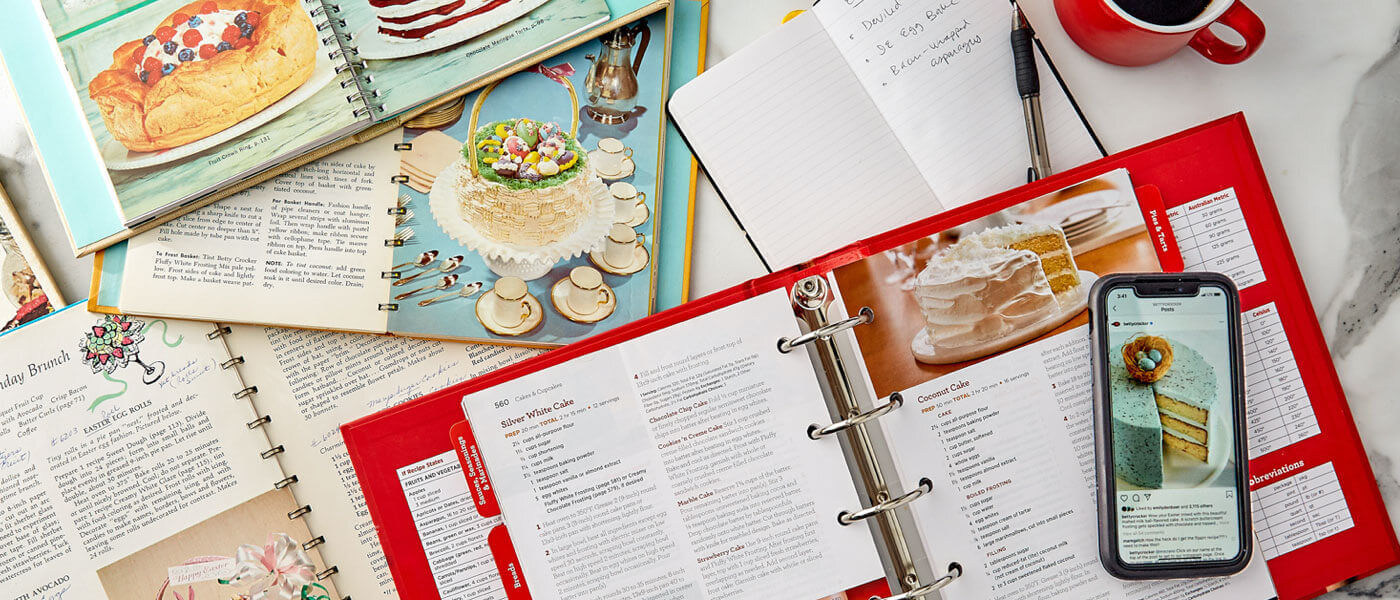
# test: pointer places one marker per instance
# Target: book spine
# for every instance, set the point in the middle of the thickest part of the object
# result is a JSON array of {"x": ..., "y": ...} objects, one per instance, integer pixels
[
  {"x": 340, "y": 46},
  {"x": 810, "y": 297},
  {"x": 246, "y": 392}
]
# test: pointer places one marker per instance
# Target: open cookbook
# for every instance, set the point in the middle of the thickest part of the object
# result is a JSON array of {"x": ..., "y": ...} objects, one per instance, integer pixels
[
  {"x": 172, "y": 460},
  {"x": 150, "y": 109},
  {"x": 691, "y": 454},
  {"x": 530, "y": 215}
]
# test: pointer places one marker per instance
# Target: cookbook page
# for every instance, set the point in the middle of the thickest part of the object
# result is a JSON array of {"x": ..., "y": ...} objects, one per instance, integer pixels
[
  {"x": 182, "y": 97},
  {"x": 126, "y": 465},
  {"x": 981, "y": 327},
  {"x": 1008, "y": 444},
  {"x": 304, "y": 249},
  {"x": 434, "y": 175},
  {"x": 677, "y": 466},
  {"x": 942, "y": 74},
  {"x": 311, "y": 382}
]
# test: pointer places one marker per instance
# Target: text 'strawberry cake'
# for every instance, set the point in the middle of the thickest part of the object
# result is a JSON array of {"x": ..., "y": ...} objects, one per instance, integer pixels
[
  {"x": 533, "y": 186},
  {"x": 204, "y": 68},
  {"x": 413, "y": 20}
]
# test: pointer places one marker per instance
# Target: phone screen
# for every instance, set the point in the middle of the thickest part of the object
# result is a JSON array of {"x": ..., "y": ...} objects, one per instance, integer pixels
[{"x": 1176, "y": 484}]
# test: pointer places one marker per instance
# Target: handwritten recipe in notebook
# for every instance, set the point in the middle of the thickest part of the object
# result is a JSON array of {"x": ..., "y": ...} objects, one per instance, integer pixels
[{"x": 858, "y": 117}]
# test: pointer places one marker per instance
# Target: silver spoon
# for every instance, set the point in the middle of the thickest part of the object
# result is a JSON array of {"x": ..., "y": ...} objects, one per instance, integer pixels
[
  {"x": 467, "y": 291},
  {"x": 448, "y": 265},
  {"x": 441, "y": 284},
  {"x": 423, "y": 260}
]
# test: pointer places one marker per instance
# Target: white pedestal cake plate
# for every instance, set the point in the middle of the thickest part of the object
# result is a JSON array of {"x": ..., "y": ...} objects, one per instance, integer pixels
[{"x": 516, "y": 260}]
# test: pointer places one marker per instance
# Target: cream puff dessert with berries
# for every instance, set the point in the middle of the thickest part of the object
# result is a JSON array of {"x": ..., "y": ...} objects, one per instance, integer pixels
[{"x": 204, "y": 68}]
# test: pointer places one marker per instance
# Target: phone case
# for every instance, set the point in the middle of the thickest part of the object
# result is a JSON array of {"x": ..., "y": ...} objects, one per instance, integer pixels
[{"x": 1103, "y": 427}]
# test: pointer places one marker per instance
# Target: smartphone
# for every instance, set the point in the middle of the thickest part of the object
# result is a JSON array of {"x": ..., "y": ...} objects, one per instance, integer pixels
[{"x": 1172, "y": 458}]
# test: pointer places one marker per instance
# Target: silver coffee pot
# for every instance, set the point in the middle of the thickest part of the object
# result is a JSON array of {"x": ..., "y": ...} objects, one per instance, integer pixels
[{"x": 611, "y": 83}]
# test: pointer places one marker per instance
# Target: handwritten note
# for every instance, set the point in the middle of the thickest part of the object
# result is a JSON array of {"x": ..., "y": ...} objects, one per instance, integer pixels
[{"x": 942, "y": 75}]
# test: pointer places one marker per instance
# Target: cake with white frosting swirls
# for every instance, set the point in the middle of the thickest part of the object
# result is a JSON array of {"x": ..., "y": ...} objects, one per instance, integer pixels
[
  {"x": 533, "y": 183},
  {"x": 991, "y": 283}
]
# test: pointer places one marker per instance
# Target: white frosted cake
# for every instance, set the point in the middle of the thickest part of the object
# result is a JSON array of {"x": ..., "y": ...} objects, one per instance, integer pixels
[
  {"x": 993, "y": 282},
  {"x": 533, "y": 186}
]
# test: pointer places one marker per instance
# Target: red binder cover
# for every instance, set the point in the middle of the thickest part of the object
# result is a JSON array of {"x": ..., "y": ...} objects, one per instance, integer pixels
[{"x": 1178, "y": 171}]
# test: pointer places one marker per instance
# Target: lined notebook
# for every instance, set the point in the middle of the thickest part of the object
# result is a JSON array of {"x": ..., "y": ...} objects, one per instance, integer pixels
[{"x": 858, "y": 117}]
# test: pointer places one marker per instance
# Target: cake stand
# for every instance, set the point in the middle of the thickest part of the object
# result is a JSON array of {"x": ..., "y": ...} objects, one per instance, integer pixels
[{"x": 517, "y": 260}]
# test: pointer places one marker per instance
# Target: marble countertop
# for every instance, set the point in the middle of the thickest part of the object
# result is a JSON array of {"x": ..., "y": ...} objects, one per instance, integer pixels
[{"x": 1322, "y": 97}]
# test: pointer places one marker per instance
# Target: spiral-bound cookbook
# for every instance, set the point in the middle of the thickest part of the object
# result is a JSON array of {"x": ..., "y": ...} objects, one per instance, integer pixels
[
  {"x": 418, "y": 231},
  {"x": 913, "y": 409},
  {"x": 159, "y": 459},
  {"x": 142, "y": 111}
]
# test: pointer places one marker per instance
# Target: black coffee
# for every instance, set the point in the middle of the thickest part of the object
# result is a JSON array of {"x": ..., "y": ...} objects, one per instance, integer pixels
[{"x": 1164, "y": 12}]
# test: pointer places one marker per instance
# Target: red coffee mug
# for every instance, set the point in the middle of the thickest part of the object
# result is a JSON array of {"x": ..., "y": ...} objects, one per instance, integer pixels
[{"x": 1106, "y": 31}]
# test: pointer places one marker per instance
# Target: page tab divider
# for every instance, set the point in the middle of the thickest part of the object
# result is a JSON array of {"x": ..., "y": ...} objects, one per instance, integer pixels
[{"x": 468, "y": 453}]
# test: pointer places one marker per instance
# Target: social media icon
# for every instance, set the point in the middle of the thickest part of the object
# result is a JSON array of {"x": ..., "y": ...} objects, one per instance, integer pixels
[{"x": 1137, "y": 498}]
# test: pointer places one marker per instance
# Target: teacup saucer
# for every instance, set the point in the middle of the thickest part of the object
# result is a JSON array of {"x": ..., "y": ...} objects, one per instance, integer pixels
[
  {"x": 559, "y": 295},
  {"x": 639, "y": 215},
  {"x": 629, "y": 167},
  {"x": 486, "y": 304},
  {"x": 640, "y": 258}
]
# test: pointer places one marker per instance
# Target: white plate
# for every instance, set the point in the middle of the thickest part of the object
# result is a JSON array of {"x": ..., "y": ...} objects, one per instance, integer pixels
[
  {"x": 1064, "y": 213},
  {"x": 925, "y": 353},
  {"x": 373, "y": 46},
  {"x": 118, "y": 158}
]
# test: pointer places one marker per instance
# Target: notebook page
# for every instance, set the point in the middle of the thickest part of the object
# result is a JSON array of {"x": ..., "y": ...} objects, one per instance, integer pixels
[
  {"x": 802, "y": 156},
  {"x": 942, "y": 74}
]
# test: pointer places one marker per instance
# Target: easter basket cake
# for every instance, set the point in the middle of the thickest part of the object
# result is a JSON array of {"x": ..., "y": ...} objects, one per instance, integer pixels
[
  {"x": 526, "y": 183},
  {"x": 523, "y": 194}
]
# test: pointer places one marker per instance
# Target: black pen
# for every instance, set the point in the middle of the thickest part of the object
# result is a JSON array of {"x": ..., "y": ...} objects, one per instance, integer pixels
[{"x": 1028, "y": 85}]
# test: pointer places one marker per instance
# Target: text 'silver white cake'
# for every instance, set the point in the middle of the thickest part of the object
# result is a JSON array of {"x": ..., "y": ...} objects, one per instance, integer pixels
[
  {"x": 991, "y": 283},
  {"x": 534, "y": 183}
]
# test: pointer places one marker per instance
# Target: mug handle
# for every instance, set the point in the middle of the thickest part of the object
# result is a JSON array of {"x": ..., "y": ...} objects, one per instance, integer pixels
[
  {"x": 529, "y": 310},
  {"x": 604, "y": 296},
  {"x": 641, "y": 198},
  {"x": 641, "y": 239},
  {"x": 627, "y": 150},
  {"x": 1239, "y": 18}
]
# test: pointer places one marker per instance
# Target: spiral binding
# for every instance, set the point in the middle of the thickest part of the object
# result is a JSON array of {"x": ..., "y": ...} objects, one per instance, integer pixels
[
  {"x": 330, "y": 22},
  {"x": 811, "y": 296},
  {"x": 221, "y": 333}
]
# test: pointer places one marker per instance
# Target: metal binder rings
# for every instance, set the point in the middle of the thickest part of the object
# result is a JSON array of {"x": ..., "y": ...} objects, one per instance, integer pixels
[
  {"x": 811, "y": 296},
  {"x": 816, "y": 431},
  {"x": 221, "y": 333}
]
